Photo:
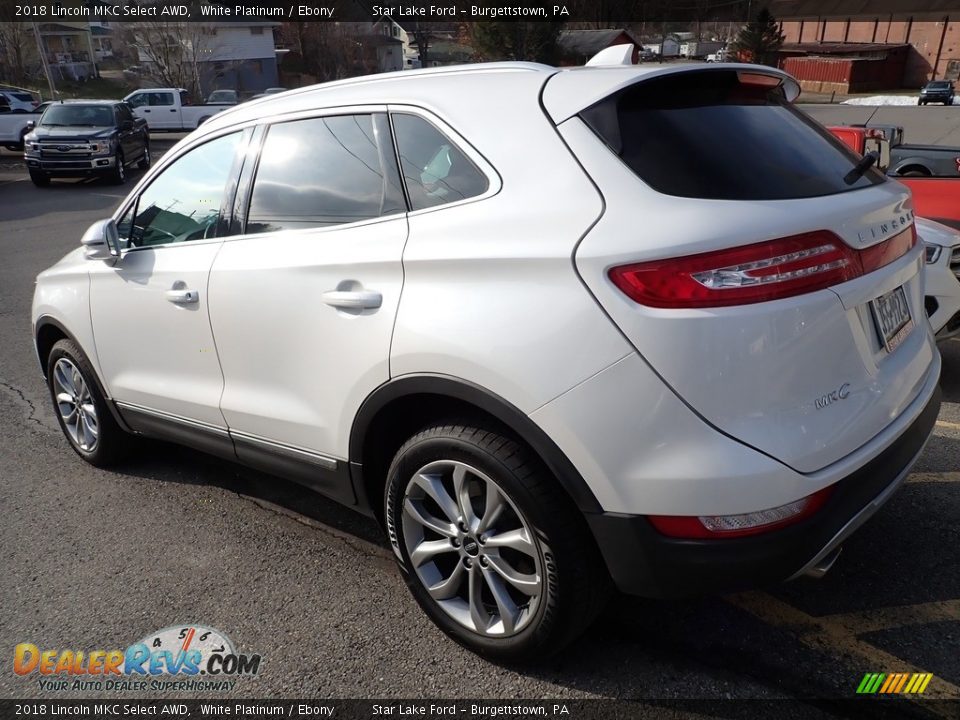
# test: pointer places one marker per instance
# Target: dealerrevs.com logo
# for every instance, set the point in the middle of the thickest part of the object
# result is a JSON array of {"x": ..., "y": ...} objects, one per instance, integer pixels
[{"x": 179, "y": 657}]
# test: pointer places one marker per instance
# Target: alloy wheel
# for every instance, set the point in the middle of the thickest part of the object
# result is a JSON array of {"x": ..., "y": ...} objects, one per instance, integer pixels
[
  {"x": 75, "y": 405},
  {"x": 471, "y": 548}
]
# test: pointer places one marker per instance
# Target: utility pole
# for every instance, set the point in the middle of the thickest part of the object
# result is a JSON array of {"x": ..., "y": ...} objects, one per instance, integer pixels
[{"x": 46, "y": 63}]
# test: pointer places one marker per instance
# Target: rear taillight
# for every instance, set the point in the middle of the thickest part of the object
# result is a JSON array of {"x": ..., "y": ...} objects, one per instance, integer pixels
[
  {"x": 764, "y": 271},
  {"x": 732, "y": 526}
]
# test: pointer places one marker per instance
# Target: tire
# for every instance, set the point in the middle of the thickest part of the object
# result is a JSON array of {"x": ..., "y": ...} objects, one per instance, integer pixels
[
  {"x": 544, "y": 544},
  {"x": 119, "y": 174},
  {"x": 39, "y": 179},
  {"x": 93, "y": 433},
  {"x": 144, "y": 163},
  {"x": 914, "y": 173}
]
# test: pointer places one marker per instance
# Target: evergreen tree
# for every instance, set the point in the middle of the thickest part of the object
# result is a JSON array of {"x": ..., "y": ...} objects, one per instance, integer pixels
[
  {"x": 759, "y": 40},
  {"x": 517, "y": 40}
]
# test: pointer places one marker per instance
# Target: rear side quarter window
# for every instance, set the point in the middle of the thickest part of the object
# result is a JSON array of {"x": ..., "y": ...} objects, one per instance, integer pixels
[{"x": 435, "y": 171}]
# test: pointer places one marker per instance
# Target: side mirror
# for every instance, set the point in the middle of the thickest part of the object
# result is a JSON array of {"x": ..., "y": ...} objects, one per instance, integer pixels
[
  {"x": 31, "y": 124},
  {"x": 101, "y": 241}
]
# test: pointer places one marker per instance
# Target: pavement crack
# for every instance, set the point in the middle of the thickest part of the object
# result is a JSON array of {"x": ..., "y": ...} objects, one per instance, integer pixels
[{"x": 20, "y": 398}]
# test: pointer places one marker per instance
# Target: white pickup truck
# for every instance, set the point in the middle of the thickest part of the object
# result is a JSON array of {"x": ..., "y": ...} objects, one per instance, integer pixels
[
  {"x": 13, "y": 126},
  {"x": 170, "y": 109}
]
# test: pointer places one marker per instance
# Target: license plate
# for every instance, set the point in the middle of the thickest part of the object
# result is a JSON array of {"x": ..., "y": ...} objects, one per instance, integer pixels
[{"x": 892, "y": 314}]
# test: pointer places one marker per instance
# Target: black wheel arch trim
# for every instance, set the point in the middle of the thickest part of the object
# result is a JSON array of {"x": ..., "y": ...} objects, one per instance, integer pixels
[
  {"x": 465, "y": 391},
  {"x": 47, "y": 321}
]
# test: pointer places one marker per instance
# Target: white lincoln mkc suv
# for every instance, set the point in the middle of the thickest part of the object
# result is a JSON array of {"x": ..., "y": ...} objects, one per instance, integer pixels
[{"x": 539, "y": 323}]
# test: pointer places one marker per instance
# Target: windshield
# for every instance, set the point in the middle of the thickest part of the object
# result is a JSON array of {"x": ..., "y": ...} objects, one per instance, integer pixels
[
  {"x": 78, "y": 115},
  {"x": 222, "y": 95},
  {"x": 938, "y": 85}
]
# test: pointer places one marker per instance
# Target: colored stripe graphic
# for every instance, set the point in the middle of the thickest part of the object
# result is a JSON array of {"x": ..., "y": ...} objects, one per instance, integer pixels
[{"x": 894, "y": 683}]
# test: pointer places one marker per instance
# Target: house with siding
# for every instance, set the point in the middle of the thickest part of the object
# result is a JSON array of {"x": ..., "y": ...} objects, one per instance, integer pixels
[{"x": 239, "y": 56}]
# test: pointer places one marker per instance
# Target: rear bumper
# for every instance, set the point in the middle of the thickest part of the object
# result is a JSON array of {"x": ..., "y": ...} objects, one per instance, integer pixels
[{"x": 643, "y": 562}]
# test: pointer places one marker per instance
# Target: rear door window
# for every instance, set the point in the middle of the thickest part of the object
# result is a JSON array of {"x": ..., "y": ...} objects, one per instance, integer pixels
[{"x": 717, "y": 135}]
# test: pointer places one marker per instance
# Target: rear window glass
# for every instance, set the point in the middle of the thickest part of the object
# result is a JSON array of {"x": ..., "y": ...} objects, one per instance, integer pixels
[{"x": 707, "y": 135}]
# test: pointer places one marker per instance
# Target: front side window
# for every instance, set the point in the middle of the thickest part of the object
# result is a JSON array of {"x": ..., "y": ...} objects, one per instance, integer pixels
[
  {"x": 434, "y": 169},
  {"x": 324, "y": 171},
  {"x": 138, "y": 100},
  {"x": 183, "y": 202}
]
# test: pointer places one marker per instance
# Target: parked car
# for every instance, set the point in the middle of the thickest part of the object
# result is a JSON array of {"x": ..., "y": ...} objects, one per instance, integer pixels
[
  {"x": 19, "y": 101},
  {"x": 939, "y": 91},
  {"x": 170, "y": 109},
  {"x": 646, "y": 55},
  {"x": 223, "y": 97},
  {"x": 936, "y": 202},
  {"x": 722, "y": 55},
  {"x": 570, "y": 345},
  {"x": 80, "y": 138},
  {"x": 942, "y": 294}
]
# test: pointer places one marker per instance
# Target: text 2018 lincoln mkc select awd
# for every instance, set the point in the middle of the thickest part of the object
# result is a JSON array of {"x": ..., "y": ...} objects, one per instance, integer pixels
[{"x": 545, "y": 328}]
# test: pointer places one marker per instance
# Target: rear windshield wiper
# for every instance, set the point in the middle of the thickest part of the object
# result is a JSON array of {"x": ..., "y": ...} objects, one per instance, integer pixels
[{"x": 867, "y": 162}]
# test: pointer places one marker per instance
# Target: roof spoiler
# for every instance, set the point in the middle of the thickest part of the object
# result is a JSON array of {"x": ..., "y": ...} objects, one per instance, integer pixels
[{"x": 613, "y": 55}]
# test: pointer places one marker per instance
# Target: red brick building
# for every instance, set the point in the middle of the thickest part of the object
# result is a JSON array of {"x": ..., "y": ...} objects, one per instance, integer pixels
[{"x": 852, "y": 29}]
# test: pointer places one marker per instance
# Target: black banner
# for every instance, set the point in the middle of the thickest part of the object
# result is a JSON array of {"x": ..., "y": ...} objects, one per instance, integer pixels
[
  {"x": 418, "y": 709},
  {"x": 455, "y": 11}
]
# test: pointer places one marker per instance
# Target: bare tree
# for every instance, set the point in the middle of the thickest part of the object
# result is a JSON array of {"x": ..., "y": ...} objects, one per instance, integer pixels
[
  {"x": 19, "y": 58},
  {"x": 325, "y": 50},
  {"x": 174, "y": 51}
]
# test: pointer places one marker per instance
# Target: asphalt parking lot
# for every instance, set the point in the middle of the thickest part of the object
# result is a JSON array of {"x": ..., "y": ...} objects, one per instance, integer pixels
[{"x": 97, "y": 559}]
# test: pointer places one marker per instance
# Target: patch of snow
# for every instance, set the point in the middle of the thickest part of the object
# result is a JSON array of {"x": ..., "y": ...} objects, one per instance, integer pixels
[{"x": 888, "y": 100}]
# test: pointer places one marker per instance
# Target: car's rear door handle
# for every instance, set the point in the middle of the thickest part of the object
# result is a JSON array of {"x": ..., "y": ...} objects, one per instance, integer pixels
[
  {"x": 353, "y": 299},
  {"x": 182, "y": 297}
]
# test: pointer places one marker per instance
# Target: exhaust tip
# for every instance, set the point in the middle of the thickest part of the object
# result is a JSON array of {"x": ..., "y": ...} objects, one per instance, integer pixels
[{"x": 821, "y": 568}]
